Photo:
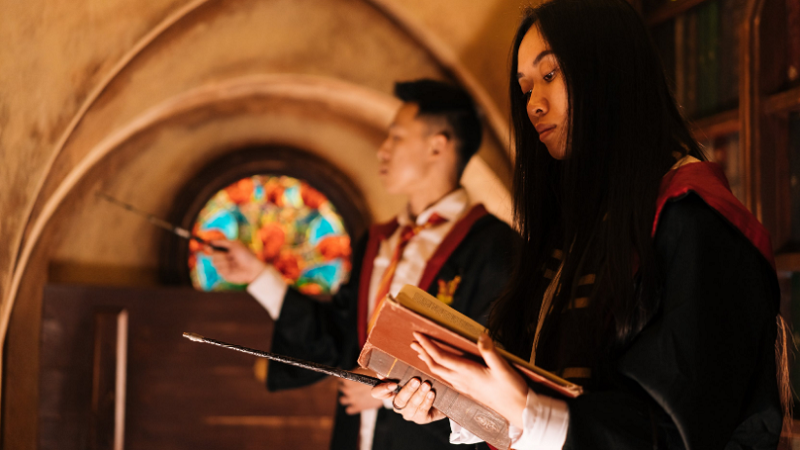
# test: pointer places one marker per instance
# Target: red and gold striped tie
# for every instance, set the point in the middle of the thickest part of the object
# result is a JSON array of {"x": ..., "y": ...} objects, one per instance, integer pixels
[{"x": 406, "y": 234}]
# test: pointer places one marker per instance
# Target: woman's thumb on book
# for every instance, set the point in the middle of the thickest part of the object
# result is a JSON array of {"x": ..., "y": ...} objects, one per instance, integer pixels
[{"x": 486, "y": 347}]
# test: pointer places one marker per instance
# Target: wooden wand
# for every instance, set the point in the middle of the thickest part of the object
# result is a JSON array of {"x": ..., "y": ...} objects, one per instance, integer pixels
[
  {"x": 174, "y": 229},
  {"x": 327, "y": 370}
]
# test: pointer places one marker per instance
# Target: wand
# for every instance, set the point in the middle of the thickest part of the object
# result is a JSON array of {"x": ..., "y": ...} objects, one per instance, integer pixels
[
  {"x": 174, "y": 229},
  {"x": 327, "y": 370}
]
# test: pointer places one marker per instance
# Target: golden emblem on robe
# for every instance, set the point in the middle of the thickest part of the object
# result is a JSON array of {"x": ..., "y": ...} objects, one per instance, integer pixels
[{"x": 447, "y": 289}]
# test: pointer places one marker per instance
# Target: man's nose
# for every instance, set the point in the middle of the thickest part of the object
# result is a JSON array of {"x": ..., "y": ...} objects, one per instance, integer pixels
[{"x": 383, "y": 151}]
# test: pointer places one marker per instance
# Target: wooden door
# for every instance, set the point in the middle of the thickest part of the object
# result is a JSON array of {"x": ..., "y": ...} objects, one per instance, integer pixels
[{"x": 116, "y": 373}]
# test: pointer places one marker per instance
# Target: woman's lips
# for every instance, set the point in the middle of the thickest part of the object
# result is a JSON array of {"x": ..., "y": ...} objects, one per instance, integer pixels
[{"x": 545, "y": 131}]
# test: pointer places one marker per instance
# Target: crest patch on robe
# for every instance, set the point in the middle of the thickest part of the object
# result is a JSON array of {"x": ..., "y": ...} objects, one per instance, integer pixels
[{"x": 447, "y": 289}]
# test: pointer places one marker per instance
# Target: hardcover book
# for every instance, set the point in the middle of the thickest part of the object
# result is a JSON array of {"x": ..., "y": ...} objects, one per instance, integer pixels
[{"x": 388, "y": 352}]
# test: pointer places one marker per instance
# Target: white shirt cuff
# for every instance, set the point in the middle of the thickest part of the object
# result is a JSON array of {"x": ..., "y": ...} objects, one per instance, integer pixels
[
  {"x": 544, "y": 424},
  {"x": 460, "y": 435},
  {"x": 269, "y": 289}
]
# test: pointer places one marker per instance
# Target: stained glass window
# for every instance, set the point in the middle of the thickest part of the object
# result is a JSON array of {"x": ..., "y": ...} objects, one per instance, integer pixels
[{"x": 286, "y": 223}]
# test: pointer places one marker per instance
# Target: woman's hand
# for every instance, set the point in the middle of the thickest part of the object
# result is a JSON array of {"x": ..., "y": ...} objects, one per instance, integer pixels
[
  {"x": 497, "y": 385},
  {"x": 414, "y": 402}
]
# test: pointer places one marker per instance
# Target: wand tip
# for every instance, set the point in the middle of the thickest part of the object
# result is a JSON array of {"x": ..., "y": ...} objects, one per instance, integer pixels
[{"x": 193, "y": 337}]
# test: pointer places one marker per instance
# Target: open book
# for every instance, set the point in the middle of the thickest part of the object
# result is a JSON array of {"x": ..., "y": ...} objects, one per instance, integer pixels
[{"x": 388, "y": 352}]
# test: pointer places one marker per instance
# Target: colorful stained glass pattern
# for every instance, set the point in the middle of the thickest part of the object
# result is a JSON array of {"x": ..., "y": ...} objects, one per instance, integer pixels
[{"x": 286, "y": 223}]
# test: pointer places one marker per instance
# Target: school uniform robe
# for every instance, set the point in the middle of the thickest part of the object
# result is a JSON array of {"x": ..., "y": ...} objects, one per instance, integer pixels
[
  {"x": 479, "y": 249},
  {"x": 701, "y": 375}
]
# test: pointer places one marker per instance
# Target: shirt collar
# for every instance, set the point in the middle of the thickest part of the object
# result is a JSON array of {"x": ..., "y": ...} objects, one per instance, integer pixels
[{"x": 449, "y": 207}]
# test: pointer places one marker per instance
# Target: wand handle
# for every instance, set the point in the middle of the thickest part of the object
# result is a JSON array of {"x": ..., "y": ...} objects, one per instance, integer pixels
[{"x": 327, "y": 370}]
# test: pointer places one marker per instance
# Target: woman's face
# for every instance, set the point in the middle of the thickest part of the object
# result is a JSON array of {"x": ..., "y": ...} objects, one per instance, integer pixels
[{"x": 542, "y": 85}]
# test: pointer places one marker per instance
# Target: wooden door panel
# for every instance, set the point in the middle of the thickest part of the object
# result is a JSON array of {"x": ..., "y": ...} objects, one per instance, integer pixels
[{"x": 176, "y": 394}]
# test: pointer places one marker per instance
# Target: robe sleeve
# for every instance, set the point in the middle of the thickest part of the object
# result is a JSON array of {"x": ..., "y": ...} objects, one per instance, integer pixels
[
  {"x": 701, "y": 374},
  {"x": 321, "y": 332}
]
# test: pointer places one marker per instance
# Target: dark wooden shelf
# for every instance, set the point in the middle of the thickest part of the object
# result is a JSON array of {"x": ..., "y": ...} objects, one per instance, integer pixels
[
  {"x": 783, "y": 102},
  {"x": 670, "y": 10},
  {"x": 716, "y": 125}
]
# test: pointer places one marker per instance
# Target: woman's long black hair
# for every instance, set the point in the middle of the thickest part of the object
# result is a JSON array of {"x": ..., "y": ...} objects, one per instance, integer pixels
[{"x": 625, "y": 133}]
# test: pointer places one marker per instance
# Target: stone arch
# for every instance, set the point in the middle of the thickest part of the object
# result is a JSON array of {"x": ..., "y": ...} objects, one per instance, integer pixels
[{"x": 93, "y": 136}]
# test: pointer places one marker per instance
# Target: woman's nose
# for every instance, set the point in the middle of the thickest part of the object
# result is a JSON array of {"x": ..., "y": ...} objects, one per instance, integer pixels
[{"x": 537, "y": 105}]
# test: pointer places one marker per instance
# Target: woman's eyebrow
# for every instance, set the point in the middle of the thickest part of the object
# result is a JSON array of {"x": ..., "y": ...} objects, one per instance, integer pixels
[
  {"x": 541, "y": 55},
  {"x": 536, "y": 61}
]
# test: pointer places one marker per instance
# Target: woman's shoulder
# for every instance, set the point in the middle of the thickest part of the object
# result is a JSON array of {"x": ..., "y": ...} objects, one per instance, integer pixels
[
  {"x": 692, "y": 234},
  {"x": 699, "y": 194}
]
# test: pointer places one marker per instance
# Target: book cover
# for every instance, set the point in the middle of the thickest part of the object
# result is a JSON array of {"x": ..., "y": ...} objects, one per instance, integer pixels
[
  {"x": 388, "y": 352},
  {"x": 396, "y": 322}
]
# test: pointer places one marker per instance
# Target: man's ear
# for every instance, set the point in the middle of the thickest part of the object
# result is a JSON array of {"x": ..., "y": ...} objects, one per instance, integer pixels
[{"x": 439, "y": 143}]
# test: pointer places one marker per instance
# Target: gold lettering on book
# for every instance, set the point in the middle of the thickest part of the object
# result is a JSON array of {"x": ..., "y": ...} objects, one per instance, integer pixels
[
  {"x": 446, "y": 317},
  {"x": 488, "y": 423}
]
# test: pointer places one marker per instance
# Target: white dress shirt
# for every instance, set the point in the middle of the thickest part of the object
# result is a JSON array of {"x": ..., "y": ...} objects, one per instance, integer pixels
[{"x": 269, "y": 288}]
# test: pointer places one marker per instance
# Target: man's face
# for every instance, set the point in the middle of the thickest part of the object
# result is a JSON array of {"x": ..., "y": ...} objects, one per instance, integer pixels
[{"x": 405, "y": 155}]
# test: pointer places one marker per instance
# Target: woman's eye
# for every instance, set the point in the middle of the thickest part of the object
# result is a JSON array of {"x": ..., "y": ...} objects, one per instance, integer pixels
[
  {"x": 549, "y": 77},
  {"x": 527, "y": 96}
]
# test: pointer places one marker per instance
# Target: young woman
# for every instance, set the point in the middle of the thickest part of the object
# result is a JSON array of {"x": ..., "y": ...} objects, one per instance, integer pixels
[{"x": 642, "y": 278}]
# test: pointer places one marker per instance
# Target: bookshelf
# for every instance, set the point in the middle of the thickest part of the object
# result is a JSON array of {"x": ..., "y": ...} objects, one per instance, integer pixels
[{"x": 735, "y": 69}]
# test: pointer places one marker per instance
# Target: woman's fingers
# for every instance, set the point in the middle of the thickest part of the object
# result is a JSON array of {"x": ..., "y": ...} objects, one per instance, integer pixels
[
  {"x": 489, "y": 353},
  {"x": 384, "y": 390},
  {"x": 436, "y": 369},
  {"x": 443, "y": 357}
]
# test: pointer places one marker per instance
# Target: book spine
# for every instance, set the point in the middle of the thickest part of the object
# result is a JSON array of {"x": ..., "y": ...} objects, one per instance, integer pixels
[
  {"x": 726, "y": 54},
  {"x": 712, "y": 82},
  {"x": 481, "y": 421},
  {"x": 793, "y": 33},
  {"x": 680, "y": 62},
  {"x": 691, "y": 63},
  {"x": 702, "y": 59}
]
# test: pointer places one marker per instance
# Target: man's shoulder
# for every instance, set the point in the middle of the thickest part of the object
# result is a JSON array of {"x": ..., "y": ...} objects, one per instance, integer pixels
[
  {"x": 488, "y": 236},
  {"x": 490, "y": 225}
]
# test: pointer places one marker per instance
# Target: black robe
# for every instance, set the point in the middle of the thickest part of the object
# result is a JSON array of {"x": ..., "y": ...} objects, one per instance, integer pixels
[
  {"x": 701, "y": 375},
  {"x": 328, "y": 333}
]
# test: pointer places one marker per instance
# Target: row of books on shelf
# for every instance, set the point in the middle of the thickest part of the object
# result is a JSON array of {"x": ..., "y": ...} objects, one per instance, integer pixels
[{"x": 701, "y": 52}]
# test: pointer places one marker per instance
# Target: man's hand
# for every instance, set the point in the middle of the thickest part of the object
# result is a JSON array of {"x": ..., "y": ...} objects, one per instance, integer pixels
[
  {"x": 239, "y": 265},
  {"x": 357, "y": 397}
]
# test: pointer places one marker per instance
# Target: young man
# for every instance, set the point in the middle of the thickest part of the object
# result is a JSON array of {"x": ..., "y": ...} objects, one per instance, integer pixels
[{"x": 439, "y": 242}]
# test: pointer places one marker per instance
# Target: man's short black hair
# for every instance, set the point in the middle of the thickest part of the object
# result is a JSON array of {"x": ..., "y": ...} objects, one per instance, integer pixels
[{"x": 440, "y": 100}]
